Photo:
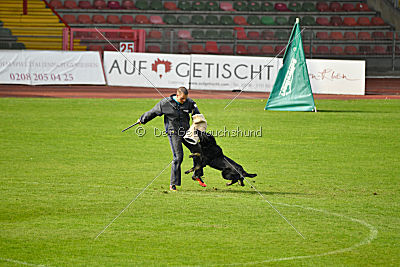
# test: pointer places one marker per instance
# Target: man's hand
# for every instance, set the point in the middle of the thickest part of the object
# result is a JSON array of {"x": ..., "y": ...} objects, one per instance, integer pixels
[{"x": 138, "y": 121}]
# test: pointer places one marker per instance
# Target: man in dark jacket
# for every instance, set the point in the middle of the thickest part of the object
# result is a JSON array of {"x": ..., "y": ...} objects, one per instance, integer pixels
[{"x": 176, "y": 110}]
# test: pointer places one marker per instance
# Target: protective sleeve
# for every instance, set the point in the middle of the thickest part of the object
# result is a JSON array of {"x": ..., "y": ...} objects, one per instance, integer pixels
[
  {"x": 195, "y": 109},
  {"x": 152, "y": 113}
]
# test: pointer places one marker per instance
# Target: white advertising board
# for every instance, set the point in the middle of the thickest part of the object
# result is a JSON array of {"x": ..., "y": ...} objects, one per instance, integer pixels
[{"x": 50, "y": 67}]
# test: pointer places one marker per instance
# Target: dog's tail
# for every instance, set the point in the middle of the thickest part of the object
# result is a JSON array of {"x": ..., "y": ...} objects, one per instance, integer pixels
[{"x": 250, "y": 175}]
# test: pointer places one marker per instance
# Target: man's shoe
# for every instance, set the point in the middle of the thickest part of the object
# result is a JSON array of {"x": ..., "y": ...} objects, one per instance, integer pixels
[
  {"x": 172, "y": 187},
  {"x": 201, "y": 182}
]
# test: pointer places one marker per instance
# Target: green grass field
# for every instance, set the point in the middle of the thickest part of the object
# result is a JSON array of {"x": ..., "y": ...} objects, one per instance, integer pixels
[{"x": 67, "y": 170}]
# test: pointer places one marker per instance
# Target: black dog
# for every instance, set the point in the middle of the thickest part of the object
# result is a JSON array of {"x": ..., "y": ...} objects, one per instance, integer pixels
[{"x": 212, "y": 155}]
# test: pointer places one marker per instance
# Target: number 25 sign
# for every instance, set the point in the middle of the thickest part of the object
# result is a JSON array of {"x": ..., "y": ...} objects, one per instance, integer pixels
[{"x": 127, "y": 47}]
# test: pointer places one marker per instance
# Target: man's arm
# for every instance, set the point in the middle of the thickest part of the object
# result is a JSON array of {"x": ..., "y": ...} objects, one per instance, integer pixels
[
  {"x": 195, "y": 109},
  {"x": 152, "y": 113}
]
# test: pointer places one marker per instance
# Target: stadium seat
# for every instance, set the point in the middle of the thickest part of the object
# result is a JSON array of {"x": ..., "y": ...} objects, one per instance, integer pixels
[
  {"x": 56, "y": 4},
  {"x": 389, "y": 35},
  {"x": 198, "y": 20},
  {"x": 279, "y": 50},
  {"x": 240, "y": 6},
  {"x": 322, "y": 35},
  {"x": 362, "y": 7},
  {"x": 112, "y": 35},
  {"x": 267, "y": 35},
  {"x": 197, "y": 49},
  {"x": 350, "y": 36},
  {"x": 141, "y": 19},
  {"x": 96, "y": 35},
  {"x": 226, "y": 6},
  {"x": 253, "y": 6},
  {"x": 281, "y": 21},
  {"x": 211, "y": 20},
  {"x": 225, "y": 50},
  {"x": 4, "y": 45},
  {"x": 84, "y": 19},
  {"x": 70, "y": 19},
  {"x": 309, "y": 7},
  {"x": 128, "y": 4},
  {"x": 307, "y": 50},
  {"x": 380, "y": 50},
  {"x": 169, "y": 19},
  {"x": 363, "y": 21},
  {"x": 240, "y": 33},
  {"x": 184, "y": 5},
  {"x": 212, "y": 6},
  {"x": 295, "y": 7},
  {"x": 113, "y": 19},
  {"x": 365, "y": 36},
  {"x": 70, "y": 4},
  {"x": 82, "y": 35},
  {"x": 253, "y": 50},
  {"x": 323, "y": 21},
  {"x": 142, "y": 4},
  {"x": 377, "y": 21},
  {"x": 226, "y": 34},
  {"x": 85, "y": 5},
  {"x": 336, "y": 36},
  {"x": 184, "y": 34},
  {"x": 153, "y": 49},
  {"x": 335, "y": 7},
  {"x": 113, "y": 5},
  {"x": 308, "y": 35},
  {"x": 109, "y": 48},
  {"x": 378, "y": 36},
  {"x": 183, "y": 20},
  {"x": 253, "y": 20},
  {"x": 308, "y": 21},
  {"x": 389, "y": 49},
  {"x": 98, "y": 19},
  {"x": 349, "y": 21},
  {"x": 322, "y": 7},
  {"x": 126, "y": 35},
  {"x": 322, "y": 50},
  {"x": 183, "y": 47},
  {"x": 240, "y": 20},
  {"x": 100, "y": 4},
  {"x": 241, "y": 50},
  {"x": 198, "y": 34},
  {"x": 212, "y": 35},
  {"x": 127, "y": 19},
  {"x": 350, "y": 50},
  {"x": 170, "y": 6},
  {"x": 266, "y": 20},
  {"x": 212, "y": 47},
  {"x": 267, "y": 50},
  {"x": 365, "y": 49},
  {"x": 253, "y": 35},
  {"x": 95, "y": 48},
  {"x": 336, "y": 50},
  {"x": 336, "y": 21},
  {"x": 348, "y": 7},
  {"x": 155, "y": 19},
  {"x": 156, "y": 5},
  {"x": 198, "y": 6},
  {"x": 267, "y": 6},
  {"x": 154, "y": 34},
  {"x": 281, "y": 35},
  {"x": 281, "y": 7},
  {"x": 226, "y": 20}
]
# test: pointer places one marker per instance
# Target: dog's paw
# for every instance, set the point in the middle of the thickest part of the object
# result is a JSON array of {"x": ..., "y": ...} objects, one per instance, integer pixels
[
  {"x": 241, "y": 183},
  {"x": 251, "y": 175},
  {"x": 231, "y": 183},
  {"x": 187, "y": 172}
]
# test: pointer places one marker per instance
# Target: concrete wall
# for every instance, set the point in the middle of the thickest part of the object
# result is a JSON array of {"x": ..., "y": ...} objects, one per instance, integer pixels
[{"x": 388, "y": 12}]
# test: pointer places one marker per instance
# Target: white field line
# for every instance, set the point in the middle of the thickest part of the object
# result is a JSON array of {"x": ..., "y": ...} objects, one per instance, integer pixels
[{"x": 19, "y": 262}]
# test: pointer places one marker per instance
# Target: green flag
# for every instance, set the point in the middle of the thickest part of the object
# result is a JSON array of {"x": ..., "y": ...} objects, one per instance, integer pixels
[{"x": 292, "y": 88}]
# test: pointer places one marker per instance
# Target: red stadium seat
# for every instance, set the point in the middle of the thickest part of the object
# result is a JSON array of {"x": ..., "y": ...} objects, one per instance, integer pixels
[
  {"x": 85, "y": 5},
  {"x": 306, "y": 49},
  {"x": 212, "y": 47},
  {"x": 336, "y": 36},
  {"x": 337, "y": 50},
  {"x": 380, "y": 50},
  {"x": 110, "y": 48},
  {"x": 362, "y": 7},
  {"x": 365, "y": 36},
  {"x": 197, "y": 49},
  {"x": 377, "y": 21},
  {"x": 153, "y": 49},
  {"x": 253, "y": 35},
  {"x": 322, "y": 50},
  {"x": 378, "y": 36},
  {"x": 128, "y": 4},
  {"x": 141, "y": 19},
  {"x": 82, "y": 35},
  {"x": 153, "y": 34},
  {"x": 279, "y": 50},
  {"x": 225, "y": 50},
  {"x": 350, "y": 36},
  {"x": 350, "y": 50},
  {"x": 253, "y": 50},
  {"x": 323, "y": 7},
  {"x": 363, "y": 21},
  {"x": 267, "y": 50},
  {"x": 241, "y": 50},
  {"x": 56, "y": 4},
  {"x": 323, "y": 21},
  {"x": 95, "y": 48},
  {"x": 335, "y": 7},
  {"x": 240, "y": 20},
  {"x": 113, "y": 19},
  {"x": 267, "y": 35},
  {"x": 336, "y": 21},
  {"x": 281, "y": 7},
  {"x": 226, "y": 6},
  {"x": 70, "y": 4},
  {"x": 240, "y": 33},
  {"x": 348, "y": 7},
  {"x": 170, "y": 6},
  {"x": 184, "y": 34},
  {"x": 113, "y": 5},
  {"x": 349, "y": 21},
  {"x": 126, "y": 35},
  {"x": 100, "y": 4},
  {"x": 127, "y": 19},
  {"x": 390, "y": 49},
  {"x": 322, "y": 35},
  {"x": 84, "y": 19},
  {"x": 70, "y": 19},
  {"x": 389, "y": 35},
  {"x": 112, "y": 35},
  {"x": 183, "y": 47},
  {"x": 98, "y": 19},
  {"x": 156, "y": 20}
]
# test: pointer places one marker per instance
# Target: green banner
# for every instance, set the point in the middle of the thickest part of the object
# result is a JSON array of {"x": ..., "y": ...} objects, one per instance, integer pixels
[{"x": 292, "y": 88}]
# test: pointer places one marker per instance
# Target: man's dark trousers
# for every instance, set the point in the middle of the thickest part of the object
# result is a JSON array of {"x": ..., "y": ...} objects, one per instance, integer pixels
[{"x": 176, "y": 141}]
